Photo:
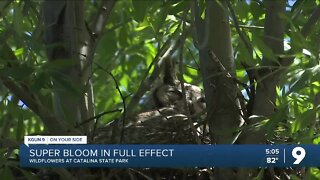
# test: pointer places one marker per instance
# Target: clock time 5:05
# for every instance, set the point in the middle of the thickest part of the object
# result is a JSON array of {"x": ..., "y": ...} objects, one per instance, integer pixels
[{"x": 272, "y": 151}]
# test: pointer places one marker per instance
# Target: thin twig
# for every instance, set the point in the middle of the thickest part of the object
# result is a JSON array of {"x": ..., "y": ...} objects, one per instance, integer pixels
[
  {"x": 122, "y": 98},
  {"x": 97, "y": 116},
  {"x": 194, "y": 59},
  {"x": 244, "y": 38},
  {"x": 142, "y": 174},
  {"x": 191, "y": 67},
  {"x": 252, "y": 74},
  {"x": 228, "y": 75},
  {"x": 249, "y": 26},
  {"x": 186, "y": 104}
]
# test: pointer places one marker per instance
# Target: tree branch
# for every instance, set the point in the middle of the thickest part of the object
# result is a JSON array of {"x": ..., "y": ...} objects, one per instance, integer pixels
[
  {"x": 52, "y": 124},
  {"x": 30, "y": 99},
  {"x": 162, "y": 54},
  {"x": 311, "y": 21},
  {"x": 180, "y": 77}
]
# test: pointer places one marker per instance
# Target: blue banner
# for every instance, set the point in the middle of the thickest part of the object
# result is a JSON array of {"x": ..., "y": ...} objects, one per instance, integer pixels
[{"x": 169, "y": 155}]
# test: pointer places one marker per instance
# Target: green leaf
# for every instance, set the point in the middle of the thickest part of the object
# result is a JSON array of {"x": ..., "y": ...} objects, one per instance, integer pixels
[
  {"x": 312, "y": 173},
  {"x": 2, "y": 5},
  {"x": 241, "y": 73},
  {"x": 58, "y": 64},
  {"x": 178, "y": 7},
  {"x": 124, "y": 81},
  {"x": 187, "y": 78},
  {"x": 6, "y": 55},
  {"x": 301, "y": 80},
  {"x": 123, "y": 37},
  {"x": 19, "y": 52},
  {"x": 5, "y": 173},
  {"x": 107, "y": 47},
  {"x": 259, "y": 176},
  {"x": 40, "y": 81},
  {"x": 140, "y": 8},
  {"x": 3, "y": 158},
  {"x": 266, "y": 51},
  {"x": 275, "y": 119},
  {"x": 304, "y": 120},
  {"x": 294, "y": 177},
  {"x": 146, "y": 33},
  {"x": 316, "y": 70},
  {"x": 297, "y": 41},
  {"x": 18, "y": 73},
  {"x": 256, "y": 9},
  {"x": 65, "y": 84},
  {"x": 142, "y": 27},
  {"x": 243, "y": 55},
  {"x": 159, "y": 22},
  {"x": 192, "y": 71},
  {"x": 18, "y": 21},
  {"x": 28, "y": 175},
  {"x": 20, "y": 127},
  {"x": 242, "y": 9}
]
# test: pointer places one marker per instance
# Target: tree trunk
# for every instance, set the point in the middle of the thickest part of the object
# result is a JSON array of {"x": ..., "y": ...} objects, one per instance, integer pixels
[
  {"x": 65, "y": 37},
  {"x": 265, "y": 97},
  {"x": 264, "y": 104},
  {"x": 217, "y": 70}
]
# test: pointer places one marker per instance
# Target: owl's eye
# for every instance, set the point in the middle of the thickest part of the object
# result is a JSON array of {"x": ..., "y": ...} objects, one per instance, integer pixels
[
  {"x": 202, "y": 100},
  {"x": 175, "y": 94}
]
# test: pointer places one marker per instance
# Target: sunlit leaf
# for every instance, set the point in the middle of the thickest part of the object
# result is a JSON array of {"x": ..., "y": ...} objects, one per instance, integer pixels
[
  {"x": 297, "y": 41},
  {"x": 294, "y": 177},
  {"x": 275, "y": 119},
  {"x": 187, "y": 78},
  {"x": 312, "y": 173},
  {"x": 266, "y": 51},
  {"x": 301, "y": 81},
  {"x": 259, "y": 175},
  {"x": 242, "y": 9},
  {"x": 304, "y": 120},
  {"x": 159, "y": 22},
  {"x": 256, "y": 9},
  {"x": 178, "y": 7},
  {"x": 19, "y": 52}
]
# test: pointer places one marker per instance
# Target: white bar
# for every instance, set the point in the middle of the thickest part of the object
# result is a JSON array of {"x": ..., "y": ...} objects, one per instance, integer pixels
[
  {"x": 284, "y": 156},
  {"x": 55, "y": 140}
]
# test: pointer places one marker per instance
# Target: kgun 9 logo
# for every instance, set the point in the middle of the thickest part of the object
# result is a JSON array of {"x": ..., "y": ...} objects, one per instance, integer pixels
[{"x": 299, "y": 154}]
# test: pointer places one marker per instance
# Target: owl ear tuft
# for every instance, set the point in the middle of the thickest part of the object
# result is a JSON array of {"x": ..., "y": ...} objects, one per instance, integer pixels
[{"x": 169, "y": 72}]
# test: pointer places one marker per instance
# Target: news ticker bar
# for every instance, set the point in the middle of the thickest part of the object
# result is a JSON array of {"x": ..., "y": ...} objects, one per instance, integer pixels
[{"x": 89, "y": 155}]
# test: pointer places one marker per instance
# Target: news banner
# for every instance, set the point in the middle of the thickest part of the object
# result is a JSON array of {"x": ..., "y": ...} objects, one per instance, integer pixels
[{"x": 73, "y": 151}]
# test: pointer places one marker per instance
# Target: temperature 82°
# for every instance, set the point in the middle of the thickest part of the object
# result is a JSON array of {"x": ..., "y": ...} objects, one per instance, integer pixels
[{"x": 272, "y": 160}]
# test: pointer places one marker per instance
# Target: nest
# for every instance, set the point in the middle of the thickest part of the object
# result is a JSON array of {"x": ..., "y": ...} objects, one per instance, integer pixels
[
  {"x": 163, "y": 126},
  {"x": 165, "y": 123}
]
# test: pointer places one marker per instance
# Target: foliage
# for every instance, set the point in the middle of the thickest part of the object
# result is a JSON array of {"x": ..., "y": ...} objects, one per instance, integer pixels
[{"x": 135, "y": 32}]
